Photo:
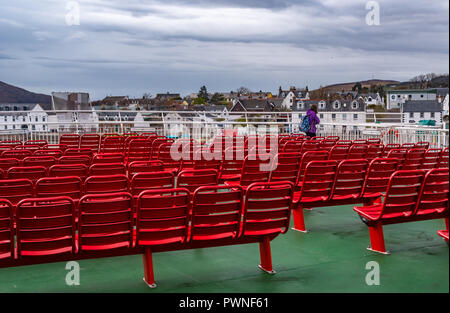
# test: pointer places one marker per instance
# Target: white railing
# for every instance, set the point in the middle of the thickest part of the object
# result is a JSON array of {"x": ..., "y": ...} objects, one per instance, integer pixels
[{"x": 205, "y": 125}]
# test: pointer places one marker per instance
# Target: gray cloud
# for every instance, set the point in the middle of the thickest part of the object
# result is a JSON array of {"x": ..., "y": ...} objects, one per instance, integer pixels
[{"x": 138, "y": 46}]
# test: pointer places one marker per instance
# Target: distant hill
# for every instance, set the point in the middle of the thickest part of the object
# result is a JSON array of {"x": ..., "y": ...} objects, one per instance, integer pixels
[
  {"x": 12, "y": 94},
  {"x": 367, "y": 83}
]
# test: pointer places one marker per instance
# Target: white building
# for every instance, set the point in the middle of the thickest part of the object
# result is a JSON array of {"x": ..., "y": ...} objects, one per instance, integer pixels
[
  {"x": 395, "y": 98},
  {"x": 23, "y": 116}
]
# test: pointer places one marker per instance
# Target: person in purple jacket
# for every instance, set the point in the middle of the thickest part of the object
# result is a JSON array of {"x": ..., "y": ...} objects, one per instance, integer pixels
[{"x": 313, "y": 120}]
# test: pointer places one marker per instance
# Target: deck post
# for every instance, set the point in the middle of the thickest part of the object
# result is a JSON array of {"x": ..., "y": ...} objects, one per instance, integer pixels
[
  {"x": 266, "y": 256},
  {"x": 377, "y": 238},
  {"x": 149, "y": 276}
]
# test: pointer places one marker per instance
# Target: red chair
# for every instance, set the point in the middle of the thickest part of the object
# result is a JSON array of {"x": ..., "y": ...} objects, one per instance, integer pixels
[
  {"x": 165, "y": 155},
  {"x": 413, "y": 159},
  {"x": 15, "y": 154},
  {"x": 349, "y": 180},
  {"x": 105, "y": 222},
  {"x": 232, "y": 163},
  {"x": 327, "y": 144},
  {"x": 443, "y": 159},
  {"x": 6, "y": 230},
  {"x": 256, "y": 168},
  {"x": 15, "y": 190},
  {"x": 374, "y": 141},
  {"x": 358, "y": 151},
  {"x": 389, "y": 147},
  {"x": 45, "y": 227},
  {"x": 152, "y": 180},
  {"x": 145, "y": 167},
  {"x": 339, "y": 152},
  {"x": 155, "y": 146},
  {"x": 107, "y": 169},
  {"x": 306, "y": 158},
  {"x": 7, "y": 163},
  {"x": 286, "y": 167},
  {"x": 75, "y": 159},
  {"x": 444, "y": 234},
  {"x": 30, "y": 148},
  {"x": 32, "y": 173},
  {"x": 112, "y": 144},
  {"x": 422, "y": 145},
  {"x": 41, "y": 143},
  {"x": 378, "y": 175},
  {"x": 431, "y": 158},
  {"x": 9, "y": 144},
  {"x": 61, "y": 147},
  {"x": 69, "y": 186},
  {"x": 79, "y": 152},
  {"x": 61, "y": 170},
  {"x": 398, "y": 206},
  {"x": 70, "y": 140},
  {"x": 374, "y": 151},
  {"x": 310, "y": 145},
  {"x": 207, "y": 158},
  {"x": 108, "y": 158},
  {"x": 138, "y": 150},
  {"x": 106, "y": 184},
  {"x": 335, "y": 138},
  {"x": 434, "y": 195},
  {"x": 360, "y": 142},
  {"x": 399, "y": 154},
  {"x": 292, "y": 146},
  {"x": 90, "y": 141},
  {"x": 45, "y": 161},
  {"x": 344, "y": 142},
  {"x": 193, "y": 179},
  {"x": 408, "y": 145},
  {"x": 48, "y": 152}
]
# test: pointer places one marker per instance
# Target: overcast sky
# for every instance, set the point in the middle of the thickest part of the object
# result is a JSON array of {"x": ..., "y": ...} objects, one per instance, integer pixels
[{"x": 135, "y": 46}]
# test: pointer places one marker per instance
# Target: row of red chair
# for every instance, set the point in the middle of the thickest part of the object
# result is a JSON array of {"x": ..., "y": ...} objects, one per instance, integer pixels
[
  {"x": 44, "y": 229},
  {"x": 74, "y": 187}
]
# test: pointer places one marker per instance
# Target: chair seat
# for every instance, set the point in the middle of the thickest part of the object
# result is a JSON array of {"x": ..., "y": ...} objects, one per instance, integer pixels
[
  {"x": 372, "y": 212},
  {"x": 346, "y": 197},
  {"x": 297, "y": 196}
]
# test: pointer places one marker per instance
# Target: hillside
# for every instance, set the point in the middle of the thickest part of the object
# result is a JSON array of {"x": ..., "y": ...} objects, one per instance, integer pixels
[
  {"x": 348, "y": 86},
  {"x": 12, "y": 94}
]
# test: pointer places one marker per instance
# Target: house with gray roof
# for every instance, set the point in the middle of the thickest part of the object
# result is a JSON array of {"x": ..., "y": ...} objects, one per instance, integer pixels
[{"x": 415, "y": 111}]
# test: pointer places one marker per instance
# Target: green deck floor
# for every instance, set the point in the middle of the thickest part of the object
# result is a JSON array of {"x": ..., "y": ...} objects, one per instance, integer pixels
[{"x": 331, "y": 258}]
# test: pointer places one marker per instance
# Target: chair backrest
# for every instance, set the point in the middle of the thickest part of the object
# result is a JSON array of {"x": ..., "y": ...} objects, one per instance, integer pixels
[
  {"x": 138, "y": 149},
  {"x": 431, "y": 158},
  {"x": 207, "y": 158},
  {"x": 16, "y": 154},
  {"x": 155, "y": 147},
  {"x": 293, "y": 146},
  {"x": 107, "y": 169},
  {"x": 335, "y": 138},
  {"x": 285, "y": 167},
  {"x": 414, "y": 158},
  {"x": 216, "y": 213},
  {"x": 378, "y": 174},
  {"x": 108, "y": 158},
  {"x": 7, "y": 163},
  {"x": 375, "y": 150},
  {"x": 70, "y": 140},
  {"x": 60, "y": 170},
  {"x": 40, "y": 143},
  {"x": 79, "y": 152},
  {"x": 75, "y": 159},
  {"x": 402, "y": 194},
  {"x": 308, "y": 157},
  {"x": 339, "y": 152},
  {"x": 193, "y": 179},
  {"x": 32, "y": 173},
  {"x": 165, "y": 155},
  {"x": 90, "y": 141},
  {"x": 371, "y": 141},
  {"x": 16, "y": 190},
  {"x": 151, "y": 180},
  {"x": 6, "y": 230},
  {"x": 327, "y": 144},
  {"x": 358, "y": 151},
  {"x": 145, "y": 167},
  {"x": 349, "y": 180},
  {"x": 106, "y": 184},
  {"x": 48, "y": 152},
  {"x": 408, "y": 145},
  {"x": 69, "y": 186},
  {"x": 45, "y": 226},
  {"x": 45, "y": 161},
  {"x": 9, "y": 144},
  {"x": 344, "y": 142},
  {"x": 256, "y": 168},
  {"x": 422, "y": 145},
  {"x": 105, "y": 222},
  {"x": 310, "y": 145},
  {"x": 390, "y": 146},
  {"x": 443, "y": 159},
  {"x": 112, "y": 144},
  {"x": 399, "y": 154},
  {"x": 317, "y": 181},
  {"x": 434, "y": 195},
  {"x": 162, "y": 217},
  {"x": 267, "y": 208},
  {"x": 360, "y": 142}
]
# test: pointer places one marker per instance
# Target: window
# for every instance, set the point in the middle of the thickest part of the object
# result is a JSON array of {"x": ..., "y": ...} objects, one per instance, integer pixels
[
  {"x": 43, "y": 119},
  {"x": 421, "y": 96},
  {"x": 333, "y": 116},
  {"x": 336, "y": 105},
  {"x": 344, "y": 117},
  {"x": 33, "y": 127},
  {"x": 422, "y": 115},
  {"x": 16, "y": 108},
  {"x": 36, "y": 118},
  {"x": 411, "y": 115},
  {"x": 355, "y": 105},
  {"x": 393, "y": 97},
  {"x": 321, "y": 116},
  {"x": 432, "y": 114},
  {"x": 322, "y": 105},
  {"x": 355, "y": 116}
]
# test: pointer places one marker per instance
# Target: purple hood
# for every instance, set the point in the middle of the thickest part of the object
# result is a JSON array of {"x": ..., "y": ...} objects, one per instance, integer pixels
[{"x": 313, "y": 120}]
